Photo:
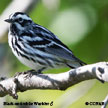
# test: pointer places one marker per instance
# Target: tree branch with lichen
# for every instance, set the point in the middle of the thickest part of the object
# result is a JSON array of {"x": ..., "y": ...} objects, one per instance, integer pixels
[{"x": 31, "y": 80}]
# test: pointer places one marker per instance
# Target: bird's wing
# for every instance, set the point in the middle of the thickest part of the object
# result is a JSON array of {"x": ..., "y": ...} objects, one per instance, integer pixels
[
  {"x": 64, "y": 53},
  {"x": 53, "y": 45},
  {"x": 59, "y": 50}
]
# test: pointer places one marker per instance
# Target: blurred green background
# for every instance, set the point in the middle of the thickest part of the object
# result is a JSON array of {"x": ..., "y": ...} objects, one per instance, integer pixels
[{"x": 83, "y": 26}]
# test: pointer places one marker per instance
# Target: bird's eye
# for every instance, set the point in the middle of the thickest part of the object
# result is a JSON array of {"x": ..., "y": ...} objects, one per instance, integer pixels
[{"x": 20, "y": 19}]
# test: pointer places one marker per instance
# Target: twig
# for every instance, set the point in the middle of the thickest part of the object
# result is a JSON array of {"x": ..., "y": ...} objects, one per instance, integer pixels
[
  {"x": 31, "y": 80},
  {"x": 105, "y": 102}
]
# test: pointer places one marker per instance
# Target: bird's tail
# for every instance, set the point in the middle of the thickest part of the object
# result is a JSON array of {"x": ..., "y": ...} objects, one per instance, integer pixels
[{"x": 75, "y": 64}]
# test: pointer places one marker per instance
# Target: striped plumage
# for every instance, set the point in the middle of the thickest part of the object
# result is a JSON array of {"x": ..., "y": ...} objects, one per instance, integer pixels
[{"x": 36, "y": 46}]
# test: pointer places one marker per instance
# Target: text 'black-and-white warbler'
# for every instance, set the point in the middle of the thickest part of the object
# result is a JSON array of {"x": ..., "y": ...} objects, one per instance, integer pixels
[{"x": 37, "y": 47}]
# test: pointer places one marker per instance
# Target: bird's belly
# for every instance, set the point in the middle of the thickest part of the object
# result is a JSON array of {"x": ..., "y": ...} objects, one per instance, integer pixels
[{"x": 29, "y": 63}]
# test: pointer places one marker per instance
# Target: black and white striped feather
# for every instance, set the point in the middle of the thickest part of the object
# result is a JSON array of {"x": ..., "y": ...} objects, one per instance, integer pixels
[{"x": 36, "y": 46}]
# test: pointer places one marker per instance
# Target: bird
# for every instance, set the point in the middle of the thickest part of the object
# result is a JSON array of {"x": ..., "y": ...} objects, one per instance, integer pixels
[{"x": 37, "y": 47}]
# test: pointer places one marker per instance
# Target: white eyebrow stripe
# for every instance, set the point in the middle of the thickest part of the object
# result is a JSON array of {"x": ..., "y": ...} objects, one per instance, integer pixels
[
  {"x": 24, "y": 17},
  {"x": 11, "y": 15}
]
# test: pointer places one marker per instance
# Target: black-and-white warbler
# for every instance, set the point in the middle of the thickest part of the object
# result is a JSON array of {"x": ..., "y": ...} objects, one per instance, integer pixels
[{"x": 37, "y": 47}]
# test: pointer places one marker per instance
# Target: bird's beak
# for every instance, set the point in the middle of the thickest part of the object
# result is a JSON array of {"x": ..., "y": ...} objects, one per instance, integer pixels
[{"x": 8, "y": 20}]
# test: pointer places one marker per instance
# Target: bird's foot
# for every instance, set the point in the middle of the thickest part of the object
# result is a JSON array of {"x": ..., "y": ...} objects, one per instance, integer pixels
[{"x": 40, "y": 70}]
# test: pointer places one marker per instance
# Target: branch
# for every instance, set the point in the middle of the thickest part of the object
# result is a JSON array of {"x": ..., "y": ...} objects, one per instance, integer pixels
[
  {"x": 31, "y": 80},
  {"x": 105, "y": 102}
]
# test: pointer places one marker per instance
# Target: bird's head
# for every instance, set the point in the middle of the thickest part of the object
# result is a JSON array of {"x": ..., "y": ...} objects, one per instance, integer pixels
[{"x": 19, "y": 18}]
